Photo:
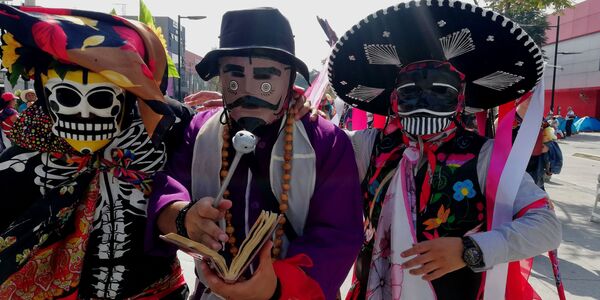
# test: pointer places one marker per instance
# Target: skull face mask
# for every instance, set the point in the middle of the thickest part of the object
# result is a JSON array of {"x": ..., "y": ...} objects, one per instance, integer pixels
[
  {"x": 254, "y": 89},
  {"x": 428, "y": 97},
  {"x": 87, "y": 110}
]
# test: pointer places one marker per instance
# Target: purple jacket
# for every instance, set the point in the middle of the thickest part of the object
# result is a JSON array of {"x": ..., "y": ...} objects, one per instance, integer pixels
[{"x": 333, "y": 231}]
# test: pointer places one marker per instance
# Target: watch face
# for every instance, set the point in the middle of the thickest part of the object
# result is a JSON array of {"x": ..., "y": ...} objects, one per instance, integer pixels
[{"x": 472, "y": 257}]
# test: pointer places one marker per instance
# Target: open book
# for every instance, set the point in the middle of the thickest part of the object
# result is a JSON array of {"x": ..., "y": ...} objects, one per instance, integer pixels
[{"x": 259, "y": 234}]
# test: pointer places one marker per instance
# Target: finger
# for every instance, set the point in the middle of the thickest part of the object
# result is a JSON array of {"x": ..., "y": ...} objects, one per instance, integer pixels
[
  {"x": 299, "y": 103},
  {"x": 425, "y": 269},
  {"x": 314, "y": 114},
  {"x": 213, "y": 103},
  {"x": 302, "y": 112},
  {"x": 417, "y": 261},
  {"x": 265, "y": 256},
  {"x": 204, "y": 209},
  {"x": 322, "y": 114},
  {"x": 224, "y": 205},
  {"x": 207, "y": 232},
  {"x": 416, "y": 249},
  {"x": 434, "y": 275},
  {"x": 215, "y": 283},
  {"x": 298, "y": 90},
  {"x": 201, "y": 97},
  {"x": 210, "y": 242}
]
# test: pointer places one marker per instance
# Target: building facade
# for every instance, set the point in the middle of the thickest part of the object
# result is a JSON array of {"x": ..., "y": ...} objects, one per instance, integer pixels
[
  {"x": 577, "y": 80},
  {"x": 188, "y": 77}
]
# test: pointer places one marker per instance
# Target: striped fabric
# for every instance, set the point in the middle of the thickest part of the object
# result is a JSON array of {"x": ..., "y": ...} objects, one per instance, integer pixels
[{"x": 425, "y": 125}]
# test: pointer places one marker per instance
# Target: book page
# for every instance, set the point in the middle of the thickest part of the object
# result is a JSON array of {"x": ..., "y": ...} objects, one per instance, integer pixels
[
  {"x": 198, "y": 251},
  {"x": 259, "y": 234}
]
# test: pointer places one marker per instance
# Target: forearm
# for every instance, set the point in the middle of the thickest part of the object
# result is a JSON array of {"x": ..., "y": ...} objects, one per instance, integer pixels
[
  {"x": 167, "y": 216},
  {"x": 536, "y": 232},
  {"x": 167, "y": 198}
]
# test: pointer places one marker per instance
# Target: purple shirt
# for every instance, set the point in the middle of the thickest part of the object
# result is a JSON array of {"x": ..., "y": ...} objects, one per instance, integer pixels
[{"x": 333, "y": 231}]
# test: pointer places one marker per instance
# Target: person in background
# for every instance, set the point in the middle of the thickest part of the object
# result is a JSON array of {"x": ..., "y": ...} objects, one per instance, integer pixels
[
  {"x": 326, "y": 106},
  {"x": 28, "y": 97},
  {"x": 570, "y": 117},
  {"x": 553, "y": 122},
  {"x": 553, "y": 156},
  {"x": 8, "y": 116}
]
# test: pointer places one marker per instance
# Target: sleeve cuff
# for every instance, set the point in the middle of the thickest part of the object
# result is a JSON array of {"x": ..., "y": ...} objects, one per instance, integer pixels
[
  {"x": 295, "y": 284},
  {"x": 493, "y": 246}
]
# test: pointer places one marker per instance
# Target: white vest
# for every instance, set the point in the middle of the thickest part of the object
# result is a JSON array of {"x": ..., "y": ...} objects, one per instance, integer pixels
[{"x": 207, "y": 160}]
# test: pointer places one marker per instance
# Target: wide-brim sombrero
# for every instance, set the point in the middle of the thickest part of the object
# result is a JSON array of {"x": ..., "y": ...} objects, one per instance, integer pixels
[{"x": 499, "y": 59}]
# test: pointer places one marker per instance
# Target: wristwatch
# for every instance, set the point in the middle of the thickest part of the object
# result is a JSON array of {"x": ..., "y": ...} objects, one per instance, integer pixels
[{"x": 472, "y": 254}]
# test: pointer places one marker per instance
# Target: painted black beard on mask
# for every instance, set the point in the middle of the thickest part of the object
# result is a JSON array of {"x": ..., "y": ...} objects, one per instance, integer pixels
[
  {"x": 251, "y": 102},
  {"x": 250, "y": 123}
]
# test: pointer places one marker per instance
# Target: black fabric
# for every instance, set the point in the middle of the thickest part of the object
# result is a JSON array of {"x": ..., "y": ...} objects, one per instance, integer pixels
[
  {"x": 118, "y": 208},
  {"x": 370, "y": 54},
  {"x": 390, "y": 145},
  {"x": 457, "y": 285},
  {"x": 253, "y": 32},
  {"x": 467, "y": 213},
  {"x": 27, "y": 215}
]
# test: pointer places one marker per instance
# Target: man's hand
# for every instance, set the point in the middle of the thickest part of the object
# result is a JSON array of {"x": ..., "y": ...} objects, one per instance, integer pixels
[
  {"x": 302, "y": 107},
  {"x": 435, "y": 258},
  {"x": 261, "y": 286},
  {"x": 204, "y": 100},
  {"x": 200, "y": 222}
]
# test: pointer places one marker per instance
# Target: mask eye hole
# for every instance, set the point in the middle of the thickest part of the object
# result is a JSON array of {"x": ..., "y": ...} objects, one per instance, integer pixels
[
  {"x": 265, "y": 87},
  {"x": 410, "y": 91},
  {"x": 233, "y": 85},
  {"x": 67, "y": 97},
  {"x": 101, "y": 99}
]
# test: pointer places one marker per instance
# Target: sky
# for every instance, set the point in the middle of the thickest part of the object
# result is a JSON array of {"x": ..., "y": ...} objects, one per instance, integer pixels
[{"x": 202, "y": 35}]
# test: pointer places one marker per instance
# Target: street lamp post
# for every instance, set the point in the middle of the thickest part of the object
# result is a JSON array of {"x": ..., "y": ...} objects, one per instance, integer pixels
[
  {"x": 179, "y": 57},
  {"x": 554, "y": 69}
]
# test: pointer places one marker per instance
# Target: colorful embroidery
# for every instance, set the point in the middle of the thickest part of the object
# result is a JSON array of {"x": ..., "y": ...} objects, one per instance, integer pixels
[
  {"x": 442, "y": 217},
  {"x": 6, "y": 242},
  {"x": 463, "y": 189},
  {"x": 455, "y": 161},
  {"x": 54, "y": 270}
]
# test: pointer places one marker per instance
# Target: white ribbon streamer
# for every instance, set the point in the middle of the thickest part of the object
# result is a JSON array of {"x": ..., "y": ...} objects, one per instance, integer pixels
[{"x": 495, "y": 285}]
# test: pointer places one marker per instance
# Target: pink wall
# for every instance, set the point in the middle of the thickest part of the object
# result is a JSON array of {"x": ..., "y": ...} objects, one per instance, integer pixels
[{"x": 581, "y": 19}]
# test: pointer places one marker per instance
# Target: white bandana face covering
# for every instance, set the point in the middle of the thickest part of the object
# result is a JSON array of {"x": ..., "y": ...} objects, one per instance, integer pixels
[
  {"x": 254, "y": 89},
  {"x": 87, "y": 115}
]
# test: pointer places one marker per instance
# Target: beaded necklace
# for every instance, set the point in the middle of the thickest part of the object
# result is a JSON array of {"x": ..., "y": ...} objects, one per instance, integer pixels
[{"x": 285, "y": 185}]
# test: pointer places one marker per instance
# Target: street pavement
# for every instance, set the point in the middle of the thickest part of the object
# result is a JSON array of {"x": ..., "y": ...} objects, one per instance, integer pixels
[{"x": 573, "y": 192}]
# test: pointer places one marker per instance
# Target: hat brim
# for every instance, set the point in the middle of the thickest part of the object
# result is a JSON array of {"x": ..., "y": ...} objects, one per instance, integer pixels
[
  {"x": 500, "y": 61},
  {"x": 208, "y": 67}
]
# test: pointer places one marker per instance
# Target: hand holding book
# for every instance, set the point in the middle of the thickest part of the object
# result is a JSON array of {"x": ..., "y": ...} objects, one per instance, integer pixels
[
  {"x": 261, "y": 285},
  {"x": 259, "y": 234},
  {"x": 200, "y": 222}
]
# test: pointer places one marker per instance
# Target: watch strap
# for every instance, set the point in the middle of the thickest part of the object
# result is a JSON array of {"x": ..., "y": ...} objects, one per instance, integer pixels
[{"x": 470, "y": 245}]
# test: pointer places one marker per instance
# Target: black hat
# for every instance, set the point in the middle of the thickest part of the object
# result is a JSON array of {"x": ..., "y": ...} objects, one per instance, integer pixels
[
  {"x": 500, "y": 61},
  {"x": 259, "y": 32}
]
